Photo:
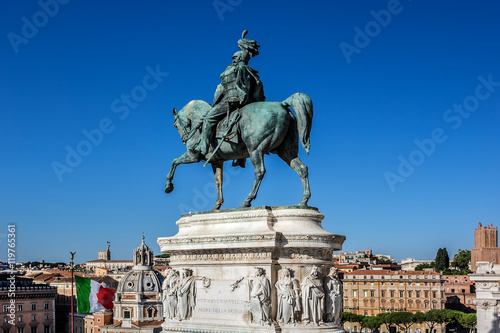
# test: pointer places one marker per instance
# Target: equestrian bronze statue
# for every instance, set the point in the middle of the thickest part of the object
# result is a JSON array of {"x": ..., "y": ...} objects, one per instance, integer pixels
[{"x": 245, "y": 127}]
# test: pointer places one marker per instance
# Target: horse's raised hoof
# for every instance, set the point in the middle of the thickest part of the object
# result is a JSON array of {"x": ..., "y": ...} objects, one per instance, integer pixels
[
  {"x": 169, "y": 187},
  {"x": 245, "y": 204}
]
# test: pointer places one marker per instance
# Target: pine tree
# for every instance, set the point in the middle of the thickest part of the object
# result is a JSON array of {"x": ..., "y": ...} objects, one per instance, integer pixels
[{"x": 442, "y": 260}]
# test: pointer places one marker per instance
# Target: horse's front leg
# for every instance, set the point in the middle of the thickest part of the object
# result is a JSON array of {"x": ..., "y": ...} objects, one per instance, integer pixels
[
  {"x": 186, "y": 158},
  {"x": 218, "y": 168}
]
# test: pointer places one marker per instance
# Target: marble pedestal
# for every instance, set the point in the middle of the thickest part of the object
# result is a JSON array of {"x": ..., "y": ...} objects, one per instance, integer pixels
[{"x": 216, "y": 255}]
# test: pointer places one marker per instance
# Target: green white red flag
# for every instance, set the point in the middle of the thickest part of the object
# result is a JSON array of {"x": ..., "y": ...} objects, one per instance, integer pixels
[{"x": 92, "y": 296}]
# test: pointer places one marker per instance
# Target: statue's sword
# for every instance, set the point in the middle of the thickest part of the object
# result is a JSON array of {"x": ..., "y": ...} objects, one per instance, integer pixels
[{"x": 223, "y": 138}]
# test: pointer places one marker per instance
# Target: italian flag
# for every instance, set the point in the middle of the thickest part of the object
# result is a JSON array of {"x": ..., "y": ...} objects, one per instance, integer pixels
[{"x": 91, "y": 296}]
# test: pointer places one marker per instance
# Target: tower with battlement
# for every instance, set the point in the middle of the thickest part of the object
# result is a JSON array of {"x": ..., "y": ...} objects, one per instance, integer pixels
[{"x": 485, "y": 246}]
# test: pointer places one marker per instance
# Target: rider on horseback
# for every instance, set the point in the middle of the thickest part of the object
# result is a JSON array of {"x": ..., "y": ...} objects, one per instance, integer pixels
[{"x": 240, "y": 85}]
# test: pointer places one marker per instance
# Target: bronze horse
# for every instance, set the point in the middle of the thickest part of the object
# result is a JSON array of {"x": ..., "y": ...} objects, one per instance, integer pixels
[{"x": 264, "y": 127}]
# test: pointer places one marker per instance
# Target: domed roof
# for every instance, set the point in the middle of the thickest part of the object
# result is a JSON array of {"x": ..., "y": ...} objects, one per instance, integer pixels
[{"x": 141, "y": 281}]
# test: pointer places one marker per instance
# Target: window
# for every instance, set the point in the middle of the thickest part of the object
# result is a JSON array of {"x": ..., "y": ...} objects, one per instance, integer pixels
[
  {"x": 364, "y": 283},
  {"x": 5, "y": 308},
  {"x": 426, "y": 294},
  {"x": 33, "y": 318},
  {"x": 20, "y": 330},
  {"x": 126, "y": 313},
  {"x": 33, "y": 306},
  {"x": 33, "y": 329},
  {"x": 401, "y": 294},
  {"x": 19, "y": 307},
  {"x": 468, "y": 301},
  {"x": 409, "y": 293},
  {"x": 46, "y": 329},
  {"x": 463, "y": 290},
  {"x": 392, "y": 293},
  {"x": 46, "y": 317},
  {"x": 426, "y": 305},
  {"x": 45, "y": 306},
  {"x": 401, "y": 276},
  {"x": 452, "y": 290},
  {"x": 418, "y": 293},
  {"x": 371, "y": 283},
  {"x": 354, "y": 293},
  {"x": 372, "y": 293},
  {"x": 383, "y": 293},
  {"x": 20, "y": 319},
  {"x": 366, "y": 313},
  {"x": 98, "y": 320},
  {"x": 434, "y": 305},
  {"x": 365, "y": 293}
]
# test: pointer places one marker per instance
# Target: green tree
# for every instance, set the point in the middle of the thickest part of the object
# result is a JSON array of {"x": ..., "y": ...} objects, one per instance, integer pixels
[
  {"x": 385, "y": 319},
  {"x": 353, "y": 318},
  {"x": 373, "y": 323},
  {"x": 461, "y": 261},
  {"x": 450, "y": 316},
  {"x": 346, "y": 316},
  {"x": 433, "y": 318},
  {"x": 468, "y": 320},
  {"x": 422, "y": 266},
  {"x": 442, "y": 260},
  {"x": 404, "y": 320}
]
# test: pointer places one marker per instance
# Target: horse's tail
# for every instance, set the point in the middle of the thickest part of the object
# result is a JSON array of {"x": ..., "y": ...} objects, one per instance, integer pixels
[{"x": 303, "y": 107}]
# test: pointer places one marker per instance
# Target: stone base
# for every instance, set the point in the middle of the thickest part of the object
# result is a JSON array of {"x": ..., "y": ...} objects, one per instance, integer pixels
[{"x": 222, "y": 250}]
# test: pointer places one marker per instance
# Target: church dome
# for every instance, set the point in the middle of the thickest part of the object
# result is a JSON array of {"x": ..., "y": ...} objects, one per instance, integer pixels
[
  {"x": 141, "y": 281},
  {"x": 138, "y": 296}
]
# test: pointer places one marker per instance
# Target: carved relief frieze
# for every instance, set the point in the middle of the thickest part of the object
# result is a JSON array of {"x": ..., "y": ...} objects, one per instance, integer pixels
[{"x": 251, "y": 254}]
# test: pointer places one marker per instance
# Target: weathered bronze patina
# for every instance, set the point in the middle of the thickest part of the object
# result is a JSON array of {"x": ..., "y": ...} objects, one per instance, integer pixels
[{"x": 251, "y": 128}]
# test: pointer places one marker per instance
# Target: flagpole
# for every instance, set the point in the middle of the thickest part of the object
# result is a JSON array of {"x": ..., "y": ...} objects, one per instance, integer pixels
[{"x": 72, "y": 279}]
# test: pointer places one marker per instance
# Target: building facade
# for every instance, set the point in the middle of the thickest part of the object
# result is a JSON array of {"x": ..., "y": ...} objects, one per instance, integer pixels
[
  {"x": 410, "y": 264},
  {"x": 27, "y": 308},
  {"x": 104, "y": 261},
  {"x": 370, "y": 292},
  {"x": 459, "y": 292}
]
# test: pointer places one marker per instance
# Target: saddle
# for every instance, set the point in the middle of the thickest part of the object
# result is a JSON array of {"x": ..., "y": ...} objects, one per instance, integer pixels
[{"x": 228, "y": 130}]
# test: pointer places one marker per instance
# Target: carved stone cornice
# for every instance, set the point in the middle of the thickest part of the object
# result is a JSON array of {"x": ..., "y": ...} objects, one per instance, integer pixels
[{"x": 485, "y": 304}]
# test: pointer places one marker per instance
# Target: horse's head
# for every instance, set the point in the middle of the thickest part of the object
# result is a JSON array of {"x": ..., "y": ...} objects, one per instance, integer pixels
[
  {"x": 182, "y": 124},
  {"x": 192, "y": 113}
]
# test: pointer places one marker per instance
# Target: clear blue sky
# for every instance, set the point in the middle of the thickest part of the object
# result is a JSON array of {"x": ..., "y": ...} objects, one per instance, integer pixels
[{"x": 402, "y": 79}]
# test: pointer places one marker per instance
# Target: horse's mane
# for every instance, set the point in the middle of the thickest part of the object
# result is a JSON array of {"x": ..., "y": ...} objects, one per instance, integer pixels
[{"x": 195, "y": 110}]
